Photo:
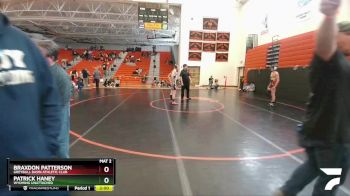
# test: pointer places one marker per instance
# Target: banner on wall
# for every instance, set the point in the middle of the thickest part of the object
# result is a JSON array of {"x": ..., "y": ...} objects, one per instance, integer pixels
[
  {"x": 265, "y": 25},
  {"x": 196, "y": 35},
  {"x": 209, "y": 47},
  {"x": 222, "y": 47},
  {"x": 223, "y": 37},
  {"x": 221, "y": 57},
  {"x": 194, "y": 56},
  {"x": 209, "y": 37},
  {"x": 210, "y": 23},
  {"x": 304, "y": 10},
  {"x": 196, "y": 46}
]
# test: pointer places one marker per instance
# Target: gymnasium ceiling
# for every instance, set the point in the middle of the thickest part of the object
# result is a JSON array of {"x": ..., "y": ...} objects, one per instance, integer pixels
[{"x": 89, "y": 21}]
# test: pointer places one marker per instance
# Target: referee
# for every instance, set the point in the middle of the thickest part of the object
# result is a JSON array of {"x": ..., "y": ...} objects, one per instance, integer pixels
[{"x": 185, "y": 82}]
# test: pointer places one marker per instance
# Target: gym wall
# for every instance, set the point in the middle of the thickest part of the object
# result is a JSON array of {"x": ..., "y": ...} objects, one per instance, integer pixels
[
  {"x": 229, "y": 20},
  {"x": 295, "y": 55},
  {"x": 294, "y": 84}
]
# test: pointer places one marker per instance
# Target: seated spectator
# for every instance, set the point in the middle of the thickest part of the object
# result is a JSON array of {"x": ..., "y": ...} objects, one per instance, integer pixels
[
  {"x": 90, "y": 55},
  {"x": 249, "y": 87},
  {"x": 85, "y": 55},
  {"x": 216, "y": 85},
  {"x": 117, "y": 82},
  {"x": 162, "y": 83},
  {"x": 136, "y": 72},
  {"x": 144, "y": 78},
  {"x": 154, "y": 82},
  {"x": 75, "y": 53},
  {"x": 139, "y": 71}
]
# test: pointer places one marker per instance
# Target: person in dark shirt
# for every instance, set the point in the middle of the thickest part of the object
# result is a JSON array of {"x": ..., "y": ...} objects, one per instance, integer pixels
[
  {"x": 29, "y": 117},
  {"x": 85, "y": 77},
  {"x": 185, "y": 78},
  {"x": 325, "y": 133},
  {"x": 50, "y": 50},
  {"x": 211, "y": 80}
]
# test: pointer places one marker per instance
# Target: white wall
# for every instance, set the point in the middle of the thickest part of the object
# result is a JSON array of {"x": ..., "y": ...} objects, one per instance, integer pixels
[
  {"x": 192, "y": 13},
  {"x": 282, "y": 18}
]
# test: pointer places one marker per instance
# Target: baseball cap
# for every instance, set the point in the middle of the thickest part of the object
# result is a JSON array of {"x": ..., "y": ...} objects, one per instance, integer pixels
[{"x": 344, "y": 26}]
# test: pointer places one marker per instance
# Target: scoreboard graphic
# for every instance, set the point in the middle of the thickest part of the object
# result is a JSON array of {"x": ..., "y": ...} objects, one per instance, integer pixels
[
  {"x": 61, "y": 175},
  {"x": 153, "y": 18}
]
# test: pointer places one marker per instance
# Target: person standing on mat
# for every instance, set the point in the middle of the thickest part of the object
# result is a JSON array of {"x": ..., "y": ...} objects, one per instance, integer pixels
[
  {"x": 97, "y": 77},
  {"x": 85, "y": 78},
  {"x": 173, "y": 77},
  {"x": 325, "y": 133},
  {"x": 274, "y": 81},
  {"x": 50, "y": 50},
  {"x": 185, "y": 78}
]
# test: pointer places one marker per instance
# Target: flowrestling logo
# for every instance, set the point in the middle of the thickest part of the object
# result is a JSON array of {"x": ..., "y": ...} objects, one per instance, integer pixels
[
  {"x": 336, "y": 180},
  {"x": 13, "y": 70}
]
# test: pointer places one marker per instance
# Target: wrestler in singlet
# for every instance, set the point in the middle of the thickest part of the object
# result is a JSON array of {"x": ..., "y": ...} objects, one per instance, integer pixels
[{"x": 273, "y": 79}]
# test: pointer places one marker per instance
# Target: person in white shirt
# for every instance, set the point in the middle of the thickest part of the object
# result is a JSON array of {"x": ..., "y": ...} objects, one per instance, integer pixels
[{"x": 173, "y": 77}]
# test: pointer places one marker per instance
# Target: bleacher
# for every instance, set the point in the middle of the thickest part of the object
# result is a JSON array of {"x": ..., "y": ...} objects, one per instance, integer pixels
[
  {"x": 165, "y": 66},
  {"x": 65, "y": 55},
  {"x": 90, "y": 66},
  {"x": 126, "y": 70}
]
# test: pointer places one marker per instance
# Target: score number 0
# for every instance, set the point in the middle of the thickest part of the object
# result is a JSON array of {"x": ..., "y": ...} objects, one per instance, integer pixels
[{"x": 106, "y": 179}]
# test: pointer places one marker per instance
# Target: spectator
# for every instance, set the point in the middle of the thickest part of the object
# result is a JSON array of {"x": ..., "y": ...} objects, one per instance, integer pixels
[
  {"x": 97, "y": 77},
  {"x": 144, "y": 78},
  {"x": 241, "y": 83},
  {"x": 104, "y": 68},
  {"x": 74, "y": 75},
  {"x": 216, "y": 85},
  {"x": 31, "y": 124},
  {"x": 136, "y": 72},
  {"x": 249, "y": 87},
  {"x": 88, "y": 79},
  {"x": 325, "y": 131},
  {"x": 80, "y": 84},
  {"x": 211, "y": 79},
  {"x": 139, "y": 71},
  {"x": 50, "y": 50},
  {"x": 117, "y": 82},
  {"x": 85, "y": 78}
]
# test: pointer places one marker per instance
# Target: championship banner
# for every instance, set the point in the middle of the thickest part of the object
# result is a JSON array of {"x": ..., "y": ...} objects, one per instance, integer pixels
[
  {"x": 210, "y": 23},
  {"x": 221, "y": 57},
  {"x": 196, "y": 35},
  {"x": 209, "y": 47},
  {"x": 195, "y": 46},
  {"x": 222, "y": 47},
  {"x": 195, "y": 56},
  {"x": 209, "y": 37},
  {"x": 223, "y": 37}
]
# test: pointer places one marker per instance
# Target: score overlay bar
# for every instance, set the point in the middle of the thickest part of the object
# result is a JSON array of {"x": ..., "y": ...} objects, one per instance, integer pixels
[{"x": 61, "y": 174}]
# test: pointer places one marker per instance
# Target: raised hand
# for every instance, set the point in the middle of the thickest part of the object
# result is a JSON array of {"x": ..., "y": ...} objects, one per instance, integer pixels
[{"x": 330, "y": 7}]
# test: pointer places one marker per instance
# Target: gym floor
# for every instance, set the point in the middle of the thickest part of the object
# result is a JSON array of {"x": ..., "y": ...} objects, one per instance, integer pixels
[{"x": 219, "y": 143}]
